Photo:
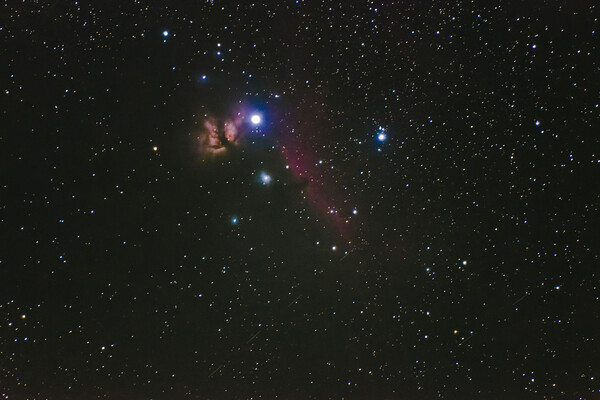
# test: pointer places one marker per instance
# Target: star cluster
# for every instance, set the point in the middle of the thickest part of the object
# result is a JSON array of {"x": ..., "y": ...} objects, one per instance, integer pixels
[{"x": 295, "y": 199}]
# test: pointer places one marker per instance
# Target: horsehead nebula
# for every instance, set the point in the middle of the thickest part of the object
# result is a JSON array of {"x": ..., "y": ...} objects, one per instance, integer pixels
[{"x": 297, "y": 136}]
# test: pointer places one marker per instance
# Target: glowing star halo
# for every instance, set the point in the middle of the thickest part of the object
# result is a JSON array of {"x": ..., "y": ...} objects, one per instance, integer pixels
[
  {"x": 255, "y": 119},
  {"x": 381, "y": 134},
  {"x": 265, "y": 178}
]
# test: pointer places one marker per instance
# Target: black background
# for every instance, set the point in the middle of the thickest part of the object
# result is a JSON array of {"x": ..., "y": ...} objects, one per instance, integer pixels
[{"x": 468, "y": 271}]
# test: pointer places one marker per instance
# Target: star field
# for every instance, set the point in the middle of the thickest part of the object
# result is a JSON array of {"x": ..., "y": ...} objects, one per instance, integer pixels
[{"x": 299, "y": 200}]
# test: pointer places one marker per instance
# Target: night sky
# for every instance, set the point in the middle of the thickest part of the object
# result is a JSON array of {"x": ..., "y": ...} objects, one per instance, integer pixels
[{"x": 299, "y": 199}]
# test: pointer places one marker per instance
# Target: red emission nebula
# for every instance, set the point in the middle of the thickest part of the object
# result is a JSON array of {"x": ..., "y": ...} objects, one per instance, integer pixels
[{"x": 301, "y": 147}]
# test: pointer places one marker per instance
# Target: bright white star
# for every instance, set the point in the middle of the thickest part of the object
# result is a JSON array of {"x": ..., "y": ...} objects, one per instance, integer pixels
[
  {"x": 255, "y": 119},
  {"x": 265, "y": 178}
]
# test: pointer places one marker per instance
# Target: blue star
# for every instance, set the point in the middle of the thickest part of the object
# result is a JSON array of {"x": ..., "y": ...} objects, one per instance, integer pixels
[
  {"x": 381, "y": 135},
  {"x": 265, "y": 178}
]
